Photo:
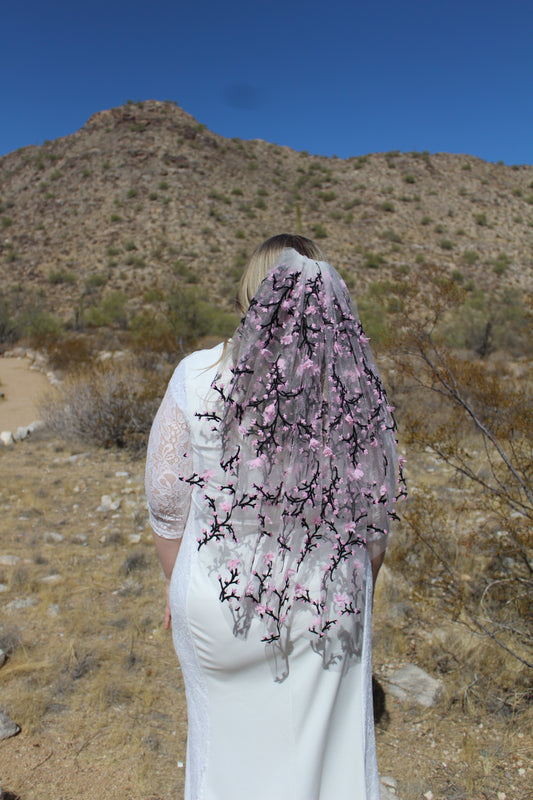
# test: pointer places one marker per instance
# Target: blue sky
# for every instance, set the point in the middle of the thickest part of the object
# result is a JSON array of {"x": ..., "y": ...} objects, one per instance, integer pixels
[{"x": 342, "y": 77}]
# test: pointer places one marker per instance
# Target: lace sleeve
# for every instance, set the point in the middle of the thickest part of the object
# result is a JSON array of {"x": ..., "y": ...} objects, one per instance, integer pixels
[{"x": 168, "y": 496}]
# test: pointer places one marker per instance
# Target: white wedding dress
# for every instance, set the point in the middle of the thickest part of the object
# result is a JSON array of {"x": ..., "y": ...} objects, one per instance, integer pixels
[{"x": 310, "y": 737}]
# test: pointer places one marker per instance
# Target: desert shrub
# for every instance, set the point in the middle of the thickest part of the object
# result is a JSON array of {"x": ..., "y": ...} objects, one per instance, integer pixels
[
  {"x": 327, "y": 197},
  {"x": 61, "y": 276},
  {"x": 483, "y": 323},
  {"x": 319, "y": 231},
  {"x": 352, "y": 203},
  {"x": 470, "y": 256},
  {"x": 8, "y": 325},
  {"x": 191, "y": 317},
  {"x": 112, "y": 310},
  {"x": 94, "y": 281},
  {"x": 388, "y": 206},
  {"x": 69, "y": 350},
  {"x": 391, "y": 235},
  {"x": 373, "y": 260},
  {"x": 373, "y": 314},
  {"x": 501, "y": 263},
  {"x": 151, "y": 331},
  {"x": 37, "y": 325},
  {"x": 135, "y": 261},
  {"x": 446, "y": 244},
  {"x": 107, "y": 404},
  {"x": 481, "y": 219}
]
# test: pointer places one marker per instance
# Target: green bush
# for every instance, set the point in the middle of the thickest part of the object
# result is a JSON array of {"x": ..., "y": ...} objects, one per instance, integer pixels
[
  {"x": 135, "y": 261},
  {"x": 327, "y": 197},
  {"x": 373, "y": 260},
  {"x": 388, "y": 206},
  {"x": 191, "y": 317},
  {"x": 8, "y": 326},
  {"x": 470, "y": 257},
  {"x": 446, "y": 244},
  {"x": 501, "y": 263},
  {"x": 111, "y": 311},
  {"x": 319, "y": 231},
  {"x": 95, "y": 280},
  {"x": 352, "y": 203},
  {"x": 37, "y": 325},
  {"x": 61, "y": 276}
]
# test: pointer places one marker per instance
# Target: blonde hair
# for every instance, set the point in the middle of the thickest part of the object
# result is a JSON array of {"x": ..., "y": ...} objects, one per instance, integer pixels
[{"x": 264, "y": 258}]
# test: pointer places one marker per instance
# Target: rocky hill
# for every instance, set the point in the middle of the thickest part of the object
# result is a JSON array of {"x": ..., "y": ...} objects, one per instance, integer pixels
[{"x": 143, "y": 195}]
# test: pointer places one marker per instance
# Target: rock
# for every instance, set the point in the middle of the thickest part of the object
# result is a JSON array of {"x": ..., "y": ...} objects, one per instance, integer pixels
[
  {"x": 20, "y": 603},
  {"x": 51, "y": 580},
  {"x": 389, "y": 783},
  {"x": 3, "y": 658},
  {"x": 79, "y": 538},
  {"x": 412, "y": 683},
  {"x": 134, "y": 538},
  {"x": 6, "y": 437},
  {"x": 17, "y": 352},
  {"x": 399, "y": 611},
  {"x": 9, "y": 561},
  {"x": 22, "y": 433},
  {"x": 53, "y": 610},
  {"x": 76, "y": 457},
  {"x": 36, "y": 425},
  {"x": 7, "y": 727},
  {"x": 3, "y": 587},
  {"x": 108, "y": 503},
  {"x": 51, "y": 537},
  {"x": 387, "y": 794}
]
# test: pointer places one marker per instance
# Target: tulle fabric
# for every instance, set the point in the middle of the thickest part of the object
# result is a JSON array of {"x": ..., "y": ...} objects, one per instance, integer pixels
[{"x": 310, "y": 469}]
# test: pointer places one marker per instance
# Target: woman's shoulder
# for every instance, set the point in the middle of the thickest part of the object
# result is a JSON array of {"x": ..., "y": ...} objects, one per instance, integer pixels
[
  {"x": 196, "y": 368},
  {"x": 201, "y": 359}
]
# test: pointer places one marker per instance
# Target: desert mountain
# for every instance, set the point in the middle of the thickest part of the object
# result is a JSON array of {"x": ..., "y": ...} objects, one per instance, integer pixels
[{"x": 144, "y": 196}]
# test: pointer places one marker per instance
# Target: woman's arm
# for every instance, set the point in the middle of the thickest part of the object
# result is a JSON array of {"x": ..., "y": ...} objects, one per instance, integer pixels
[
  {"x": 167, "y": 463},
  {"x": 167, "y": 550},
  {"x": 376, "y": 563}
]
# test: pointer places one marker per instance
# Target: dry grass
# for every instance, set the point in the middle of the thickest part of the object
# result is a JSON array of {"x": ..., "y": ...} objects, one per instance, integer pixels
[{"x": 93, "y": 681}]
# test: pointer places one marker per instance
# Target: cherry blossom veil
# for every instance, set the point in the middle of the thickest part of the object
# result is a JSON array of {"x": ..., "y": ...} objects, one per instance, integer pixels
[{"x": 311, "y": 473}]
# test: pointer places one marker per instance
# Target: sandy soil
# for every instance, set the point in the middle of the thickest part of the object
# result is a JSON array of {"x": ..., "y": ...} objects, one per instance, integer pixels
[{"x": 22, "y": 388}]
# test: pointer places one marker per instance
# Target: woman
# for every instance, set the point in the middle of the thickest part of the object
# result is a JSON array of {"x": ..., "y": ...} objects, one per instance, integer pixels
[{"x": 272, "y": 461}]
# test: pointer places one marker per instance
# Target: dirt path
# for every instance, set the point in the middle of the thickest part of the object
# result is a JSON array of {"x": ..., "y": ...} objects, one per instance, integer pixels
[{"x": 22, "y": 388}]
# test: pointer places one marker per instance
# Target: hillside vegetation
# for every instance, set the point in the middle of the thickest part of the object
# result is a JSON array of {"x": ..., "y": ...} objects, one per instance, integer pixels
[{"x": 99, "y": 228}]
